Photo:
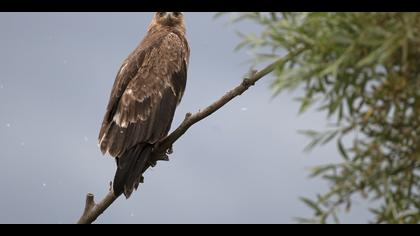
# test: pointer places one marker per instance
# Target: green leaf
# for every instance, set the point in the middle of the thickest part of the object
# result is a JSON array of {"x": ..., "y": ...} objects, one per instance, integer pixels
[
  {"x": 309, "y": 133},
  {"x": 329, "y": 137},
  {"x": 320, "y": 170},
  {"x": 311, "y": 204},
  {"x": 306, "y": 103},
  {"x": 342, "y": 150}
]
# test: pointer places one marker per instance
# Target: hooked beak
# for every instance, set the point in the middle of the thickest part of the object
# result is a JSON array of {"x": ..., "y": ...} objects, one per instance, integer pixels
[{"x": 169, "y": 16}]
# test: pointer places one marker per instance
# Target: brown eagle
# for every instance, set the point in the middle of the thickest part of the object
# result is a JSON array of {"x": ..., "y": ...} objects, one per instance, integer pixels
[{"x": 147, "y": 89}]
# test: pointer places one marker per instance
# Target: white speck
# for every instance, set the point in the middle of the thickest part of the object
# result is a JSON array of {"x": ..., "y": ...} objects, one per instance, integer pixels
[
  {"x": 44, "y": 185},
  {"x": 244, "y": 109},
  {"x": 22, "y": 144},
  {"x": 1, "y": 86},
  {"x": 131, "y": 214},
  {"x": 121, "y": 131},
  {"x": 8, "y": 125},
  {"x": 65, "y": 61},
  {"x": 86, "y": 139}
]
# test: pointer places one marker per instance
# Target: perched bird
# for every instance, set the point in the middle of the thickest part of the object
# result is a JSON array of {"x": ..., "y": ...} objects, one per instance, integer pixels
[{"x": 147, "y": 89}]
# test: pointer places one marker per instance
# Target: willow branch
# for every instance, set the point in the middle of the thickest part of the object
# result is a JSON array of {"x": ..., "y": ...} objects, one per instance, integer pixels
[{"x": 93, "y": 210}]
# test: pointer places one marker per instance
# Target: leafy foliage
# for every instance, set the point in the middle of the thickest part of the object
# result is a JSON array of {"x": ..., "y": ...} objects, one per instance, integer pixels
[{"x": 363, "y": 70}]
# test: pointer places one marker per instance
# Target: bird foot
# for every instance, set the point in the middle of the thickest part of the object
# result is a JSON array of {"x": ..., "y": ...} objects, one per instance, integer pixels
[{"x": 170, "y": 150}]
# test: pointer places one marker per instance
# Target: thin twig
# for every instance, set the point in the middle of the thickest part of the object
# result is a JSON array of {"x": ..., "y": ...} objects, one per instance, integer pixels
[{"x": 92, "y": 210}]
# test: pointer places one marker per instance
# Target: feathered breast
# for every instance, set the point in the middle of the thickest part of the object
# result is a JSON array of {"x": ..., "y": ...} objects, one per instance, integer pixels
[{"x": 146, "y": 91}]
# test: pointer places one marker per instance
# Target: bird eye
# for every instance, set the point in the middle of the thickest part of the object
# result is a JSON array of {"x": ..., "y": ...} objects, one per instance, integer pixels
[
  {"x": 176, "y": 14},
  {"x": 161, "y": 14}
]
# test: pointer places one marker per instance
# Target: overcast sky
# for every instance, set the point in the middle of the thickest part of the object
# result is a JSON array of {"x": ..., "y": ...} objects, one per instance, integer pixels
[{"x": 244, "y": 164}]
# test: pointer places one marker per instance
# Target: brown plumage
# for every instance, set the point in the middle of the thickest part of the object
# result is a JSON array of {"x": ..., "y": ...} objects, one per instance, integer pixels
[{"x": 148, "y": 87}]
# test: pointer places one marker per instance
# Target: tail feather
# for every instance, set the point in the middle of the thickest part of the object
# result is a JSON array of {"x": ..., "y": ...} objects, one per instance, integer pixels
[{"x": 130, "y": 166}]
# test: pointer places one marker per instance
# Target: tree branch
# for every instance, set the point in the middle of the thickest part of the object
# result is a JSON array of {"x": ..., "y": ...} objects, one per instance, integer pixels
[
  {"x": 191, "y": 119},
  {"x": 92, "y": 210}
]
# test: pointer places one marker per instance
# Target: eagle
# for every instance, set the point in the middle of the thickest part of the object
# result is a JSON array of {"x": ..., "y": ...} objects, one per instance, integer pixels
[{"x": 148, "y": 87}]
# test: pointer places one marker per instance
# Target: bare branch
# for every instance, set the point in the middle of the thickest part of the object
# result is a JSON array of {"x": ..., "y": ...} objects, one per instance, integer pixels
[
  {"x": 191, "y": 119},
  {"x": 92, "y": 210}
]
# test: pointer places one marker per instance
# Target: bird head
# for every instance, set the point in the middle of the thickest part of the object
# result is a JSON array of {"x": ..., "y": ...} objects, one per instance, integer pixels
[{"x": 169, "y": 18}]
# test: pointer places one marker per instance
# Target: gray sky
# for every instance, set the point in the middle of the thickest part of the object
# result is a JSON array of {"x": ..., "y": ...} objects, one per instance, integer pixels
[{"x": 244, "y": 164}]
